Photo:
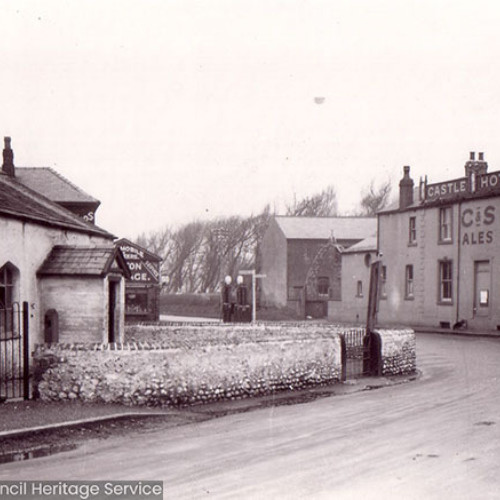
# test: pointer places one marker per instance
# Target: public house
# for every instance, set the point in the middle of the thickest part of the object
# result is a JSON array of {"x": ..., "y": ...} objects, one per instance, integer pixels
[{"x": 439, "y": 247}]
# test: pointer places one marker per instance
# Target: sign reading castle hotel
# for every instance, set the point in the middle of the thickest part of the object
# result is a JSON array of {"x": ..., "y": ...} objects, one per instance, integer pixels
[{"x": 439, "y": 249}]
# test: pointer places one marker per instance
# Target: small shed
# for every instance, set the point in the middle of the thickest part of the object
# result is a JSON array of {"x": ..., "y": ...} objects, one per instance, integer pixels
[{"x": 83, "y": 291}]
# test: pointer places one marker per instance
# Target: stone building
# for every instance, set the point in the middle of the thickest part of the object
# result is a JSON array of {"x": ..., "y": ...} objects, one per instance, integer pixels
[
  {"x": 66, "y": 269},
  {"x": 440, "y": 244}
]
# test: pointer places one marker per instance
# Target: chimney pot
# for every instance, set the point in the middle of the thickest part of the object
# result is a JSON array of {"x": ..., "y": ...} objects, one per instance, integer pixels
[
  {"x": 8, "y": 158},
  {"x": 472, "y": 155},
  {"x": 481, "y": 156},
  {"x": 406, "y": 189}
]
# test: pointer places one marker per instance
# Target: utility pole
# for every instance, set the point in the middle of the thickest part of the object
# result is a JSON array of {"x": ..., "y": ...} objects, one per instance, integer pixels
[{"x": 254, "y": 276}]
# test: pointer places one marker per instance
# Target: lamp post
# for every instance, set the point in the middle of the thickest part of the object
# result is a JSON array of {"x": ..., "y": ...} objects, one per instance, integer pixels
[{"x": 254, "y": 276}]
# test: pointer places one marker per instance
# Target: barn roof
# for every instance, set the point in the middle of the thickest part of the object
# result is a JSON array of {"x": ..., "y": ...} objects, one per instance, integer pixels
[
  {"x": 83, "y": 261},
  {"x": 322, "y": 228},
  {"x": 20, "y": 202},
  {"x": 53, "y": 185}
]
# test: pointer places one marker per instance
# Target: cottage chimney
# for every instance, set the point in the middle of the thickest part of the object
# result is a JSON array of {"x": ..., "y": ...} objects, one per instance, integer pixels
[
  {"x": 405, "y": 189},
  {"x": 476, "y": 167},
  {"x": 8, "y": 159}
]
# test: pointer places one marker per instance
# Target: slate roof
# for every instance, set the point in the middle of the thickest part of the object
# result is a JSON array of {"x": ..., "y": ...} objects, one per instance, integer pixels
[
  {"x": 323, "y": 228},
  {"x": 20, "y": 202},
  {"x": 52, "y": 185},
  {"x": 82, "y": 261},
  {"x": 367, "y": 245}
]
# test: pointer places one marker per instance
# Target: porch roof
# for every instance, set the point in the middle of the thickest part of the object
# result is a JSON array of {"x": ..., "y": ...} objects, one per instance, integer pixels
[{"x": 83, "y": 261}]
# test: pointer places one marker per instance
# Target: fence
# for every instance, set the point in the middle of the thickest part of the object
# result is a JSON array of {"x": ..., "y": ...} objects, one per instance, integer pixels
[{"x": 14, "y": 352}]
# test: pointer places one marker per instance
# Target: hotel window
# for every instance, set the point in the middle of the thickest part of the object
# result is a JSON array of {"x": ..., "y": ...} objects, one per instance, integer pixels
[
  {"x": 445, "y": 224},
  {"x": 445, "y": 281},
  {"x": 412, "y": 231},
  {"x": 409, "y": 282},
  {"x": 359, "y": 289},
  {"x": 383, "y": 280}
]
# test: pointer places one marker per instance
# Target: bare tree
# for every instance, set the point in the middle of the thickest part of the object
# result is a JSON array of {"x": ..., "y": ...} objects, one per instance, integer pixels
[
  {"x": 317, "y": 205},
  {"x": 197, "y": 255},
  {"x": 375, "y": 198}
]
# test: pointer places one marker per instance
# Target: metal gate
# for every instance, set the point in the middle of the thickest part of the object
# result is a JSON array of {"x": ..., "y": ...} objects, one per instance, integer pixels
[
  {"x": 14, "y": 352},
  {"x": 358, "y": 355}
]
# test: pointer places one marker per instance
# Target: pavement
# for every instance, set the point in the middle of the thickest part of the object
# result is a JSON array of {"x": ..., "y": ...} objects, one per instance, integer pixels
[{"x": 230, "y": 407}]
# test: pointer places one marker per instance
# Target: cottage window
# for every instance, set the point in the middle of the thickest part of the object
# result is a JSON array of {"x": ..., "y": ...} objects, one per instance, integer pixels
[
  {"x": 445, "y": 281},
  {"x": 359, "y": 289},
  {"x": 6, "y": 287},
  {"x": 409, "y": 282},
  {"x": 445, "y": 224},
  {"x": 7, "y": 283},
  {"x": 412, "y": 231},
  {"x": 323, "y": 285}
]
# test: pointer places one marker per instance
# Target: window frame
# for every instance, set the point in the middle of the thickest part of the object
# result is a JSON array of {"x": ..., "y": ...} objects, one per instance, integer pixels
[
  {"x": 448, "y": 224},
  {"x": 445, "y": 281},
  {"x": 409, "y": 282},
  {"x": 383, "y": 282},
  {"x": 412, "y": 231},
  {"x": 321, "y": 281}
]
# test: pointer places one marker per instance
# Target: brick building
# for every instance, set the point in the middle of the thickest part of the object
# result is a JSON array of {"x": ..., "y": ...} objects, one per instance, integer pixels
[
  {"x": 65, "y": 268},
  {"x": 302, "y": 260},
  {"x": 440, "y": 244}
]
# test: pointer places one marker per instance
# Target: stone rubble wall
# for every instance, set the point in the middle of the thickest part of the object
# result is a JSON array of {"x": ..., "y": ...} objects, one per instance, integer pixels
[
  {"x": 398, "y": 351},
  {"x": 134, "y": 374}
]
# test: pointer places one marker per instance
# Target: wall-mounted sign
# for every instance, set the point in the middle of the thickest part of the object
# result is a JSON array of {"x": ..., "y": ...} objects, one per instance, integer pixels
[
  {"x": 144, "y": 266},
  {"x": 464, "y": 187}
]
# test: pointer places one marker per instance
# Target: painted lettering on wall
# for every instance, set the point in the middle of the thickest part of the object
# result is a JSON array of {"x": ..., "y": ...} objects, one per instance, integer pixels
[{"x": 475, "y": 223}]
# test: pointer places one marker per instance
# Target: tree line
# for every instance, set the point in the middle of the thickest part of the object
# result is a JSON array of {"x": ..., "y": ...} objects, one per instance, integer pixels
[{"x": 197, "y": 255}]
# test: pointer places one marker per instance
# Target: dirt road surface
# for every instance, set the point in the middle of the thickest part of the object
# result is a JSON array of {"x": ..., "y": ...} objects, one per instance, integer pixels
[{"x": 437, "y": 437}]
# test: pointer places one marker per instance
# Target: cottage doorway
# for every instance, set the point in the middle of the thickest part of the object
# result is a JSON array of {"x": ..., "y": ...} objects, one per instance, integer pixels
[{"x": 113, "y": 323}]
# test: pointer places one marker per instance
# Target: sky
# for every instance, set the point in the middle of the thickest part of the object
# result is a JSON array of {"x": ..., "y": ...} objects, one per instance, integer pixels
[{"x": 169, "y": 111}]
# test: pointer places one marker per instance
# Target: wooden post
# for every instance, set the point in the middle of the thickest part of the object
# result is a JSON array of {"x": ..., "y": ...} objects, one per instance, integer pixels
[
  {"x": 26, "y": 351},
  {"x": 254, "y": 276}
]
